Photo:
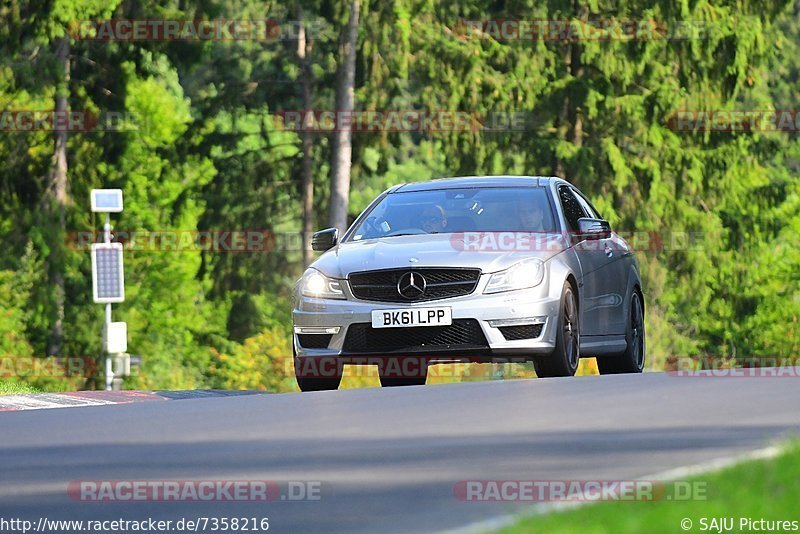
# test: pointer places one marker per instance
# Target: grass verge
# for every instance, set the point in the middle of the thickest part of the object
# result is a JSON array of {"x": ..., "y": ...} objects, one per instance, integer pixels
[
  {"x": 14, "y": 388},
  {"x": 759, "y": 489}
]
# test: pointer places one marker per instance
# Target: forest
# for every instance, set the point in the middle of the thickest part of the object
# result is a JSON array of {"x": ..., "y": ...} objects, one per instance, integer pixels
[{"x": 223, "y": 127}]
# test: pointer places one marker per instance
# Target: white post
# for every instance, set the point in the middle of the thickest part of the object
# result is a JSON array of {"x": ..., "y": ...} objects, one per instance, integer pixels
[
  {"x": 109, "y": 370},
  {"x": 104, "y": 289}
]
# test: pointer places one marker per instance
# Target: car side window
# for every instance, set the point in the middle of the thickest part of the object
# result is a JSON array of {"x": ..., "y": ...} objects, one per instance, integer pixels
[
  {"x": 587, "y": 207},
  {"x": 572, "y": 208}
]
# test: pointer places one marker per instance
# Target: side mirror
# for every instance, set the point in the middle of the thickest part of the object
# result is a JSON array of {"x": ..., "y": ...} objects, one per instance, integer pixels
[
  {"x": 593, "y": 228},
  {"x": 325, "y": 239}
]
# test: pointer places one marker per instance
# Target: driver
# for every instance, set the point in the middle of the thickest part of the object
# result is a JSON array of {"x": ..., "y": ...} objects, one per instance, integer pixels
[
  {"x": 433, "y": 219},
  {"x": 531, "y": 216}
]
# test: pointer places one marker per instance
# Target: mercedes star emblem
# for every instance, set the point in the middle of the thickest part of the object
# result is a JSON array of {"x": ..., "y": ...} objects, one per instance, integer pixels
[{"x": 411, "y": 285}]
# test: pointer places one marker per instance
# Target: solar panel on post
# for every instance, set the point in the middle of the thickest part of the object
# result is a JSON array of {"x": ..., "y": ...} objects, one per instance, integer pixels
[
  {"x": 107, "y": 273},
  {"x": 106, "y": 200}
]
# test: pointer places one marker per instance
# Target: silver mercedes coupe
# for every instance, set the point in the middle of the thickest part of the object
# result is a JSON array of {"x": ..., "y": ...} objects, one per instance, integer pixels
[{"x": 473, "y": 269}]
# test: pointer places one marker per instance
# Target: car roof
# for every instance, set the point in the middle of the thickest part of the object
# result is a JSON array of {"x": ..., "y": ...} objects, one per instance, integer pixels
[{"x": 476, "y": 182}]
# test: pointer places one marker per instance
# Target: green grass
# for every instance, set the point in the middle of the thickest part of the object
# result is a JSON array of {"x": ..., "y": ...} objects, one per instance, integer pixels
[
  {"x": 759, "y": 489},
  {"x": 14, "y": 388}
]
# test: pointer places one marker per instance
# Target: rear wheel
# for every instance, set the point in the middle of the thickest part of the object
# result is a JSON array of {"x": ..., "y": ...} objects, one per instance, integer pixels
[
  {"x": 395, "y": 372},
  {"x": 632, "y": 360},
  {"x": 317, "y": 374},
  {"x": 564, "y": 359}
]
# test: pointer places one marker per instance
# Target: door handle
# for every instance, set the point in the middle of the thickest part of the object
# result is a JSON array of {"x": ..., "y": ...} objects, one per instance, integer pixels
[{"x": 608, "y": 251}]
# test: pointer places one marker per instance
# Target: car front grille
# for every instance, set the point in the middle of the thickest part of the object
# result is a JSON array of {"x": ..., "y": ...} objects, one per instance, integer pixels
[
  {"x": 463, "y": 334},
  {"x": 439, "y": 283},
  {"x": 524, "y": 331}
]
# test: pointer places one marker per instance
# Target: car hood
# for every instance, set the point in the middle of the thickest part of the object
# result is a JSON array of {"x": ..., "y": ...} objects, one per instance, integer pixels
[{"x": 488, "y": 251}]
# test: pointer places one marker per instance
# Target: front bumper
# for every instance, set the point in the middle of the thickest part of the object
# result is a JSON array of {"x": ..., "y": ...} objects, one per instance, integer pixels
[{"x": 333, "y": 318}]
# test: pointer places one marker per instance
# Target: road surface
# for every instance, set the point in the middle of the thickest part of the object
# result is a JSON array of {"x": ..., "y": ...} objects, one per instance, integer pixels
[{"x": 387, "y": 459}]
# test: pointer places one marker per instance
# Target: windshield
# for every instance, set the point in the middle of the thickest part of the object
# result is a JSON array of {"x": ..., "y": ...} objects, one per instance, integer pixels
[{"x": 445, "y": 211}]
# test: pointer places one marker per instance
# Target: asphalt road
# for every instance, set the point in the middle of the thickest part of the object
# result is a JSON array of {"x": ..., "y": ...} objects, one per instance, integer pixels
[{"x": 387, "y": 459}]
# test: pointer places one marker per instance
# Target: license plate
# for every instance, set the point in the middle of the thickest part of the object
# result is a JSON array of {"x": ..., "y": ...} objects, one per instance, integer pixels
[{"x": 412, "y": 317}]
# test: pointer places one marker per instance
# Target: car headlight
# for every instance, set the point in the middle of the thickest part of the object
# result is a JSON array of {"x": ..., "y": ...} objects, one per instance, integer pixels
[
  {"x": 522, "y": 275},
  {"x": 315, "y": 284}
]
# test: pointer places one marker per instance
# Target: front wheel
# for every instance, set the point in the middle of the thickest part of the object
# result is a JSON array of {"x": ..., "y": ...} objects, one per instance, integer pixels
[
  {"x": 632, "y": 360},
  {"x": 564, "y": 359},
  {"x": 394, "y": 372},
  {"x": 317, "y": 374}
]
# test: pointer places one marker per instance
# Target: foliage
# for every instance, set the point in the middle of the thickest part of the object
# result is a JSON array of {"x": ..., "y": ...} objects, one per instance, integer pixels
[
  {"x": 16, "y": 388},
  {"x": 262, "y": 362},
  {"x": 206, "y": 152}
]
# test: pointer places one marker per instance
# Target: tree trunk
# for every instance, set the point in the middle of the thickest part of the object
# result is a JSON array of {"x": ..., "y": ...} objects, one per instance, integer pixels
[
  {"x": 571, "y": 118},
  {"x": 563, "y": 118},
  {"x": 57, "y": 200},
  {"x": 576, "y": 70},
  {"x": 304, "y": 48},
  {"x": 343, "y": 137}
]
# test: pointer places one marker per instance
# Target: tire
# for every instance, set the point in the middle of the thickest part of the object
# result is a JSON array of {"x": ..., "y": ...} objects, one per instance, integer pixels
[
  {"x": 632, "y": 360},
  {"x": 312, "y": 376},
  {"x": 563, "y": 361},
  {"x": 391, "y": 382},
  {"x": 393, "y": 373}
]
